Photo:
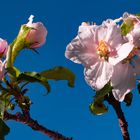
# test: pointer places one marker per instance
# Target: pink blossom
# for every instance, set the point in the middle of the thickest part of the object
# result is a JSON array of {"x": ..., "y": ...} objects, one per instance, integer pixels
[
  {"x": 99, "y": 49},
  {"x": 3, "y": 47},
  {"x": 130, "y": 19},
  {"x": 134, "y": 22},
  {"x": 124, "y": 75},
  {"x": 36, "y": 36},
  {"x": 123, "y": 80}
]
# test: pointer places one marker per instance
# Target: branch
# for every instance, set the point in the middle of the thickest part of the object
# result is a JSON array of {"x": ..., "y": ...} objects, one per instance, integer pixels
[
  {"x": 26, "y": 119},
  {"x": 122, "y": 121}
]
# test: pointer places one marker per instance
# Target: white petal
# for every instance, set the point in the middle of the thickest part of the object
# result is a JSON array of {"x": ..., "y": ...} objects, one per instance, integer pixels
[
  {"x": 123, "y": 81},
  {"x": 101, "y": 33},
  {"x": 29, "y": 24},
  {"x": 82, "y": 48},
  {"x": 131, "y": 17},
  {"x": 118, "y": 19},
  {"x": 113, "y": 36},
  {"x": 98, "y": 75},
  {"x": 122, "y": 52},
  {"x": 113, "y": 33},
  {"x": 137, "y": 66},
  {"x": 85, "y": 26},
  {"x": 135, "y": 33}
]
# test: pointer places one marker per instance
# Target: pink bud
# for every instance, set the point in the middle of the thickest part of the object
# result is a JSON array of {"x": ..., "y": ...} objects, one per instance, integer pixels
[
  {"x": 3, "y": 47},
  {"x": 36, "y": 36}
]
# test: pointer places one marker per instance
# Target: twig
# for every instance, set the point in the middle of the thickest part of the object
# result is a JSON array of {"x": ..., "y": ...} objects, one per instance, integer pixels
[
  {"x": 19, "y": 117},
  {"x": 26, "y": 119},
  {"x": 121, "y": 118}
]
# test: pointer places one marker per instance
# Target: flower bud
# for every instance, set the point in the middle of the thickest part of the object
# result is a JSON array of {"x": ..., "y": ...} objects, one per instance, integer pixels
[
  {"x": 37, "y": 35},
  {"x": 31, "y": 36},
  {"x": 3, "y": 47}
]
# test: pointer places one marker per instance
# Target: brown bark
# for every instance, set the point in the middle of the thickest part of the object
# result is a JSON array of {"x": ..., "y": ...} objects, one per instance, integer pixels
[
  {"x": 26, "y": 119},
  {"x": 121, "y": 118}
]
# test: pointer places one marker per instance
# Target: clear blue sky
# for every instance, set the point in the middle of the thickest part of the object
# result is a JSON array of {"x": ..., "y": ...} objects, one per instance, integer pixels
[{"x": 65, "y": 109}]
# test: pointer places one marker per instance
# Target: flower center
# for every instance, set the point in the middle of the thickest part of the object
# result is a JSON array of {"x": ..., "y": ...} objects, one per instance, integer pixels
[{"x": 103, "y": 50}]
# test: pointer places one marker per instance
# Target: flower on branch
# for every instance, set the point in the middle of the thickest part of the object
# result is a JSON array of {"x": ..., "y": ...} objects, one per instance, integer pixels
[
  {"x": 3, "y": 47},
  {"x": 101, "y": 49},
  {"x": 124, "y": 76},
  {"x": 37, "y": 35}
]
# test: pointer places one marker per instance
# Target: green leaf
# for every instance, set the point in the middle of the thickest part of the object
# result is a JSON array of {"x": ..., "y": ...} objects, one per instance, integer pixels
[
  {"x": 5, "y": 102},
  {"x": 126, "y": 28},
  {"x": 13, "y": 71},
  {"x": 138, "y": 14},
  {"x": 9, "y": 55},
  {"x": 2, "y": 108},
  {"x": 104, "y": 91},
  {"x": 4, "y": 130},
  {"x": 33, "y": 77},
  {"x": 98, "y": 107},
  {"x": 128, "y": 99},
  {"x": 60, "y": 73},
  {"x": 20, "y": 42},
  {"x": 138, "y": 87}
]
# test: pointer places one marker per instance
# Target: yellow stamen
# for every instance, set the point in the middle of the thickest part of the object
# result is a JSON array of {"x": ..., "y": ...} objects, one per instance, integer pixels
[{"x": 102, "y": 50}]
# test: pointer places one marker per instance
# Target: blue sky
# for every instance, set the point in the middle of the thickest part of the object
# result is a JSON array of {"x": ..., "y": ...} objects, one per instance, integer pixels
[{"x": 65, "y": 109}]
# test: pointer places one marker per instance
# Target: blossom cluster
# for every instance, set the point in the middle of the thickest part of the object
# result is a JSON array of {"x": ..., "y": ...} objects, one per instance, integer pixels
[
  {"x": 109, "y": 52},
  {"x": 33, "y": 38}
]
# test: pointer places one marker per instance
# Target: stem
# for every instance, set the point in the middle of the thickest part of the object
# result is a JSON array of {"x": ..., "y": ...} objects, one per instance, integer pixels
[
  {"x": 19, "y": 117},
  {"x": 9, "y": 55},
  {"x": 121, "y": 118},
  {"x": 9, "y": 62}
]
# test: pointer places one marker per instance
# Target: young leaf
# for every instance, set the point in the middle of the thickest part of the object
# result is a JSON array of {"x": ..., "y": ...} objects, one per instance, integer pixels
[
  {"x": 98, "y": 107},
  {"x": 138, "y": 14},
  {"x": 33, "y": 77},
  {"x": 126, "y": 28},
  {"x": 13, "y": 71},
  {"x": 4, "y": 129},
  {"x": 20, "y": 43},
  {"x": 5, "y": 103},
  {"x": 9, "y": 55},
  {"x": 2, "y": 108},
  {"x": 138, "y": 87},
  {"x": 60, "y": 73},
  {"x": 128, "y": 99},
  {"x": 104, "y": 91}
]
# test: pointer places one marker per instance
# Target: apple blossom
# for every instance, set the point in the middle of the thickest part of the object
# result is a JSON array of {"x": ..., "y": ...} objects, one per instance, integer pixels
[
  {"x": 124, "y": 75},
  {"x": 130, "y": 65},
  {"x": 3, "y": 47},
  {"x": 130, "y": 19},
  {"x": 123, "y": 80},
  {"x": 133, "y": 22},
  {"x": 98, "y": 48},
  {"x": 31, "y": 36},
  {"x": 37, "y": 35}
]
